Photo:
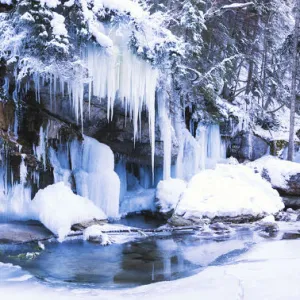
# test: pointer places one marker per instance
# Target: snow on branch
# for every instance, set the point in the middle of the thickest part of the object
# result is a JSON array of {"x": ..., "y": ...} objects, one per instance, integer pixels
[
  {"x": 199, "y": 77},
  {"x": 213, "y": 11},
  {"x": 237, "y": 5}
]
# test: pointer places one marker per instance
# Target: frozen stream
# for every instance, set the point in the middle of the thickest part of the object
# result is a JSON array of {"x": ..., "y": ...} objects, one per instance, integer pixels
[
  {"x": 78, "y": 263},
  {"x": 79, "y": 270}
]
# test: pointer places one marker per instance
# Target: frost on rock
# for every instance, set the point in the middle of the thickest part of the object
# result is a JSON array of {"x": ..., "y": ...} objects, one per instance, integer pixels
[
  {"x": 227, "y": 191},
  {"x": 58, "y": 208}
]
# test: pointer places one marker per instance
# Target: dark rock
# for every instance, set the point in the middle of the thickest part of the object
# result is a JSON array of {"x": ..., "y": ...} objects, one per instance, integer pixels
[
  {"x": 268, "y": 227},
  {"x": 179, "y": 221},
  {"x": 291, "y": 187},
  {"x": 291, "y": 202},
  {"x": 83, "y": 225},
  {"x": 23, "y": 233},
  {"x": 283, "y": 216},
  {"x": 293, "y": 184},
  {"x": 238, "y": 219},
  {"x": 291, "y": 236},
  {"x": 247, "y": 146}
]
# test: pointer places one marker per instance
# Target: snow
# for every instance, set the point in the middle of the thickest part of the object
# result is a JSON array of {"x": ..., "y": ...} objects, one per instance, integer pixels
[
  {"x": 227, "y": 191},
  {"x": 268, "y": 219},
  {"x": 8, "y": 2},
  {"x": 58, "y": 25},
  {"x": 95, "y": 231},
  {"x": 69, "y": 3},
  {"x": 123, "y": 6},
  {"x": 278, "y": 170},
  {"x": 27, "y": 17},
  {"x": 112, "y": 233},
  {"x": 168, "y": 193},
  {"x": 237, "y": 5},
  {"x": 58, "y": 208}
]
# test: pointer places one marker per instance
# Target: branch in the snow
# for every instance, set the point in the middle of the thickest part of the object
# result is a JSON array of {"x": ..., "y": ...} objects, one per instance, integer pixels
[
  {"x": 200, "y": 77},
  {"x": 213, "y": 11}
]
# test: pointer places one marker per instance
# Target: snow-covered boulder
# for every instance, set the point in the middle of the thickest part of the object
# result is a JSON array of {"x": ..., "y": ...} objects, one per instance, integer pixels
[
  {"x": 94, "y": 234},
  {"x": 283, "y": 175},
  {"x": 229, "y": 191},
  {"x": 58, "y": 208}
]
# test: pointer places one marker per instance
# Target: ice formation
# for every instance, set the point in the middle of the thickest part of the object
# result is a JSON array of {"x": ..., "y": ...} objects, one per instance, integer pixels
[
  {"x": 92, "y": 165},
  {"x": 15, "y": 196},
  {"x": 123, "y": 77},
  {"x": 202, "y": 152},
  {"x": 111, "y": 71}
]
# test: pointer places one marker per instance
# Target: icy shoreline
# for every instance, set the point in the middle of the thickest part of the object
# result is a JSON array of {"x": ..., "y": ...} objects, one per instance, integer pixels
[{"x": 265, "y": 272}]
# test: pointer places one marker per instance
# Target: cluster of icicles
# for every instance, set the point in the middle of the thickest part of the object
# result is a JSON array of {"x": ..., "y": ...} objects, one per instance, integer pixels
[{"x": 116, "y": 75}]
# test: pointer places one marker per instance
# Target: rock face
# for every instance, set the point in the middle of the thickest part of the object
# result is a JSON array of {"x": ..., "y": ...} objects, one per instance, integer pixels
[
  {"x": 293, "y": 184},
  {"x": 291, "y": 202},
  {"x": 246, "y": 146}
]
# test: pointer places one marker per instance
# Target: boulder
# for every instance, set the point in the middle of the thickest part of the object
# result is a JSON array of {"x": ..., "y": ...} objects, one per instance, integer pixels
[
  {"x": 230, "y": 193},
  {"x": 283, "y": 175}
]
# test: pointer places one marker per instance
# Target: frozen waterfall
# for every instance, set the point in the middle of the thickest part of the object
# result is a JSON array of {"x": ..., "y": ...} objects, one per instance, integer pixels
[
  {"x": 91, "y": 165},
  {"x": 202, "y": 152},
  {"x": 15, "y": 196}
]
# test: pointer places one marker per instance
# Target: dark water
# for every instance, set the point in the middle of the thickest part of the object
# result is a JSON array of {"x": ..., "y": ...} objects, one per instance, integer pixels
[{"x": 80, "y": 263}]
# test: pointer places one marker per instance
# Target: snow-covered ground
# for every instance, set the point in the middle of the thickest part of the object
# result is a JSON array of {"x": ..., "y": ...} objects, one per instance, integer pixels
[{"x": 268, "y": 271}]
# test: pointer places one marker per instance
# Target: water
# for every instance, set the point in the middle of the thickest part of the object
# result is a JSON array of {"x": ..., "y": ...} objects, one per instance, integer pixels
[{"x": 77, "y": 263}]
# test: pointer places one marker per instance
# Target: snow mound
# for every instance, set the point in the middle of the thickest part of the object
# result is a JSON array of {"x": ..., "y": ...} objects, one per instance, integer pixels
[
  {"x": 227, "y": 191},
  {"x": 168, "y": 193},
  {"x": 58, "y": 208},
  {"x": 278, "y": 171}
]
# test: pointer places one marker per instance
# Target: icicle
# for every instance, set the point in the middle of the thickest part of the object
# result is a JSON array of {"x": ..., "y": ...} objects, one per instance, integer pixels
[
  {"x": 166, "y": 133},
  {"x": 6, "y": 86},
  {"x": 36, "y": 80},
  {"x": 41, "y": 150}
]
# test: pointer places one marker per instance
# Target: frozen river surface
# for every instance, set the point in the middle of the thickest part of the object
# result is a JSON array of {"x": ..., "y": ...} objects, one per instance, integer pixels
[{"x": 239, "y": 267}]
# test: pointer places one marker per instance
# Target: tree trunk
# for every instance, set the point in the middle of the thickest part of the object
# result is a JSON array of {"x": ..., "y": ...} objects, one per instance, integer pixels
[{"x": 293, "y": 86}]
